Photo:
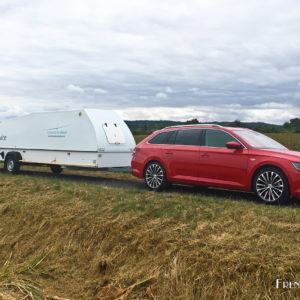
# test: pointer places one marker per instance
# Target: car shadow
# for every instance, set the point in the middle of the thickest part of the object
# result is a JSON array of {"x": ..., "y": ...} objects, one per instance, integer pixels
[{"x": 221, "y": 193}]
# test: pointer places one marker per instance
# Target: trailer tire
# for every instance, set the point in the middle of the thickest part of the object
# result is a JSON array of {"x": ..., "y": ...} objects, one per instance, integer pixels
[
  {"x": 12, "y": 164},
  {"x": 56, "y": 169}
]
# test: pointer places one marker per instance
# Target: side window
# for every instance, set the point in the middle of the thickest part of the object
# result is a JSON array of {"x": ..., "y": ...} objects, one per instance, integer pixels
[
  {"x": 166, "y": 137},
  {"x": 189, "y": 137},
  {"x": 217, "y": 138},
  {"x": 172, "y": 136}
]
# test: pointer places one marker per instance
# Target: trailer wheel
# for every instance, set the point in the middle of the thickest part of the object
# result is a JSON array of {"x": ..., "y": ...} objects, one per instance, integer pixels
[
  {"x": 12, "y": 164},
  {"x": 56, "y": 169}
]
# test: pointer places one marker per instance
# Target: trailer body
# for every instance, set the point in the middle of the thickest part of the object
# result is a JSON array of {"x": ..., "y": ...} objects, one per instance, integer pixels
[{"x": 83, "y": 138}]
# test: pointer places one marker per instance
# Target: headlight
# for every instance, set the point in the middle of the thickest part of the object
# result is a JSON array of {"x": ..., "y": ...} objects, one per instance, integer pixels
[{"x": 296, "y": 165}]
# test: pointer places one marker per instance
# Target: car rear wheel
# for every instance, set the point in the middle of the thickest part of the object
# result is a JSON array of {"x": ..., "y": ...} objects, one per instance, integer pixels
[
  {"x": 271, "y": 186},
  {"x": 155, "y": 176}
]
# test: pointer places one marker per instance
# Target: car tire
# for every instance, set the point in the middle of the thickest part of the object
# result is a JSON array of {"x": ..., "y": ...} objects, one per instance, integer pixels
[
  {"x": 271, "y": 186},
  {"x": 155, "y": 176},
  {"x": 12, "y": 164},
  {"x": 56, "y": 169}
]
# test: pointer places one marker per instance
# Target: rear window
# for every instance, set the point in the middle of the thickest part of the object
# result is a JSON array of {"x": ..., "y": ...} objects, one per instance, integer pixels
[
  {"x": 188, "y": 137},
  {"x": 164, "y": 138}
]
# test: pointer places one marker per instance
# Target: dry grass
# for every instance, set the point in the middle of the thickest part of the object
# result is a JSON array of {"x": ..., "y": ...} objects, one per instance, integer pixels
[{"x": 104, "y": 243}]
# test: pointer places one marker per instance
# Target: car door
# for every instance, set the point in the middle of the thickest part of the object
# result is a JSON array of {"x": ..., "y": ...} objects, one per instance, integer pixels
[
  {"x": 182, "y": 156},
  {"x": 221, "y": 166}
]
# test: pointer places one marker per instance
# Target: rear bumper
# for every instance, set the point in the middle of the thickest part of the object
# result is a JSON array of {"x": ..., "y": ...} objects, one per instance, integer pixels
[{"x": 136, "y": 169}]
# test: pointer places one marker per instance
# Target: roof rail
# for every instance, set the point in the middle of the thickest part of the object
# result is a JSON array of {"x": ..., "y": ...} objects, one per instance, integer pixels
[{"x": 207, "y": 125}]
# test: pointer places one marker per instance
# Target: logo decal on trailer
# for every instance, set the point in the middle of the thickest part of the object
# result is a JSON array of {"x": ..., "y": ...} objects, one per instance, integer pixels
[
  {"x": 3, "y": 137},
  {"x": 58, "y": 131}
]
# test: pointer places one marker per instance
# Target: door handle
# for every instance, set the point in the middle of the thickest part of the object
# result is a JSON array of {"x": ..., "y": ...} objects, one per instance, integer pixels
[
  {"x": 204, "y": 155},
  {"x": 169, "y": 153}
]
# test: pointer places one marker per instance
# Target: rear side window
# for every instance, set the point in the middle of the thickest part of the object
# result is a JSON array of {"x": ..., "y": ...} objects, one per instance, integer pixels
[
  {"x": 217, "y": 138},
  {"x": 188, "y": 137},
  {"x": 164, "y": 138}
]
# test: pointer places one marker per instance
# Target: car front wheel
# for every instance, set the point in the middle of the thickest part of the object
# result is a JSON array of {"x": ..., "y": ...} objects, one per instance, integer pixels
[
  {"x": 155, "y": 176},
  {"x": 271, "y": 186}
]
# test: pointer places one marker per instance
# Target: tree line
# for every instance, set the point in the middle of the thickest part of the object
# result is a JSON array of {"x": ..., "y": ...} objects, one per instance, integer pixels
[{"x": 142, "y": 127}]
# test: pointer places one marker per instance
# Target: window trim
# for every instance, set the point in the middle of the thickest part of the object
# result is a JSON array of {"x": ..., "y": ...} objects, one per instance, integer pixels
[
  {"x": 203, "y": 141},
  {"x": 202, "y": 138}
]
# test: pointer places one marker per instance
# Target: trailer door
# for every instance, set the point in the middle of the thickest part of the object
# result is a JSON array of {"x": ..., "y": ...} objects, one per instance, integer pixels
[{"x": 113, "y": 133}]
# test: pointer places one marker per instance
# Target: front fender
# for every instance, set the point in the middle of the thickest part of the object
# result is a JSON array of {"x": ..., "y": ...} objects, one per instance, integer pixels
[{"x": 278, "y": 163}]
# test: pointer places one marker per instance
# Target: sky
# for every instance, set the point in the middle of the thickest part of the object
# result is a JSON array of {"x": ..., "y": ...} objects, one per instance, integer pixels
[{"x": 214, "y": 60}]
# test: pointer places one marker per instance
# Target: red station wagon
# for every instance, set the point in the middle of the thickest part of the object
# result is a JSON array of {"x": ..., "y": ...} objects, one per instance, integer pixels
[{"x": 212, "y": 155}]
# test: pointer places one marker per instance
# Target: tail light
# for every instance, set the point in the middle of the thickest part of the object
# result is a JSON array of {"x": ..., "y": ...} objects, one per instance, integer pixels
[{"x": 135, "y": 151}]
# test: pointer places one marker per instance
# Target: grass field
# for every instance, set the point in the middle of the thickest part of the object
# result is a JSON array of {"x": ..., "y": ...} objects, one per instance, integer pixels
[
  {"x": 290, "y": 140},
  {"x": 78, "y": 241}
]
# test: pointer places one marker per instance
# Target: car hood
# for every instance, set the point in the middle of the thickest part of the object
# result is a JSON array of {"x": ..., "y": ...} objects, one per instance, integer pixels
[{"x": 286, "y": 154}]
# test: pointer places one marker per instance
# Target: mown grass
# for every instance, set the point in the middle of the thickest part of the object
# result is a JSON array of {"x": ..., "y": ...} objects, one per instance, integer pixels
[{"x": 105, "y": 243}]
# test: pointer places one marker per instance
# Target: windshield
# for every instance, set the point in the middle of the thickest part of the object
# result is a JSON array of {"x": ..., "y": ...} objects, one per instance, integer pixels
[{"x": 258, "y": 140}]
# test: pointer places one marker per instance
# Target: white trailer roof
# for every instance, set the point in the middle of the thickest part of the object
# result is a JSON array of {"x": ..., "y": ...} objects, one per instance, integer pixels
[{"x": 79, "y": 130}]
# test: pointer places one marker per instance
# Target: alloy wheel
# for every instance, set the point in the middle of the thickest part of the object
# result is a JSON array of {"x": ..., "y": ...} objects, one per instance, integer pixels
[
  {"x": 154, "y": 176},
  {"x": 269, "y": 186}
]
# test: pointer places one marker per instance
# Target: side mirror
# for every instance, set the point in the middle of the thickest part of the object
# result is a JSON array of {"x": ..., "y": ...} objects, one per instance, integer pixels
[{"x": 234, "y": 145}]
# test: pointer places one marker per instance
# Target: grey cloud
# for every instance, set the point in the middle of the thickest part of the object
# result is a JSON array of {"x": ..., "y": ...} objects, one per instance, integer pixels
[
  {"x": 100, "y": 91},
  {"x": 148, "y": 54},
  {"x": 75, "y": 88}
]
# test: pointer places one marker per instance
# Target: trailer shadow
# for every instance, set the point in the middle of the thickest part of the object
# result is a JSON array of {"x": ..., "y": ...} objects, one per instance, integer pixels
[
  {"x": 139, "y": 185},
  {"x": 96, "y": 180}
]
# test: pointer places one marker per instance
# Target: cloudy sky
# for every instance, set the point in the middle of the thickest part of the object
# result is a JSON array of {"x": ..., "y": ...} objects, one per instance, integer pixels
[{"x": 152, "y": 59}]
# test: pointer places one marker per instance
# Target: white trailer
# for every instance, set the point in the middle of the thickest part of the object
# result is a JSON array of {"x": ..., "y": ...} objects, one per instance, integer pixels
[{"x": 88, "y": 138}]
